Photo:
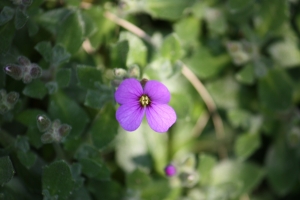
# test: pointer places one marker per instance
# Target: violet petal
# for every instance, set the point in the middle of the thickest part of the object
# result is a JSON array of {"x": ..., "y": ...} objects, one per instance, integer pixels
[
  {"x": 129, "y": 91},
  {"x": 157, "y": 92},
  {"x": 130, "y": 116},
  {"x": 160, "y": 117}
]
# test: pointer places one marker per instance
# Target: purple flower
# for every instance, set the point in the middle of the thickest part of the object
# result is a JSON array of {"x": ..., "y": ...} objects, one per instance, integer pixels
[
  {"x": 170, "y": 170},
  {"x": 136, "y": 101}
]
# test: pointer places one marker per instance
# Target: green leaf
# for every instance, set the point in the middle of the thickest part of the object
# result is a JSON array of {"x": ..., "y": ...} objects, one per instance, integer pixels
[
  {"x": 247, "y": 175},
  {"x": 59, "y": 55},
  {"x": 225, "y": 92},
  {"x": 157, "y": 148},
  {"x": 71, "y": 25},
  {"x": 98, "y": 98},
  {"x": 80, "y": 194},
  {"x": 76, "y": 174},
  {"x": 206, "y": 165},
  {"x": 239, "y": 118},
  {"x": 138, "y": 179},
  {"x": 275, "y": 90},
  {"x": 33, "y": 27},
  {"x": 55, "y": 56},
  {"x": 285, "y": 53},
  {"x": 57, "y": 180},
  {"x": 22, "y": 143},
  {"x": 90, "y": 26},
  {"x": 119, "y": 53},
  {"x": 105, "y": 127},
  {"x": 137, "y": 50},
  {"x": 87, "y": 151},
  {"x": 105, "y": 25},
  {"x": 188, "y": 29},
  {"x": 246, "y": 145},
  {"x": 167, "y": 9},
  {"x": 6, "y": 170},
  {"x": 216, "y": 21},
  {"x": 282, "y": 167},
  {"x": 171, "y": 48},
  {"x": 34, "y": 136},
  {"x": 28, "y": 117},
  {"x": 27, "y": 158},
  {"x": 110, "y": 190},
  {"x": 45, "y": 49},
  {"x": 69, "y": 112},
  {"x": 73, "y": 3},
  {"x": 7, "y": 33},
  {"x": 50, "y": 19},
  {"x": 63, "y": 77},
  {"x": 205, "y": 65},
  {"x": 7, "y": 14},
  {"x": 88, "y": 76},
  {"x": 240, "y": 10},
  {"x": 20, "y": 19},
  {"x": 246, "y": 75},
  {"x": 36, "y": 89},
  {"x": 268, "y": 12},
  {"x": 160, "y": 188},
  {"x": 94, "y": 168},
  {"x": 136, "y": 157}
]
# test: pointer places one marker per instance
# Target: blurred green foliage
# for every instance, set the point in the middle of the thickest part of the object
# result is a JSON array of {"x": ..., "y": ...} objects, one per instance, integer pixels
[{"x": 62, "y": 60}]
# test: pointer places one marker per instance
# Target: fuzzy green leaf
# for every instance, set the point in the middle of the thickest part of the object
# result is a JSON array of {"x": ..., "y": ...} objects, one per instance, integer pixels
[
  {"x": 104, "y": 128},
  {"x": 72, "y": 25},
  {"x": 88, "y": 76},
  {"x": 69, "y": 112},
  {"x": 36, "y": 89},
  {"x": 6, "y": 170},
  {"x": 57, "y": 180}
]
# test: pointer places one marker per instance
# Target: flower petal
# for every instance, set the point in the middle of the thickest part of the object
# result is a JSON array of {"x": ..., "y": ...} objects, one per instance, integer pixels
[
  {"x": 157, "y": 92},
  {"x": 130, "y": 116},
  {"x": 129, "y": 91},
  {"x": 160, "y": 117}
]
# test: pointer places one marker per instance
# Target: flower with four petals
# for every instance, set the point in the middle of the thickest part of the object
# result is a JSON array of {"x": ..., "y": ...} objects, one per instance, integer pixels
[{"x": 136, "y": 100}]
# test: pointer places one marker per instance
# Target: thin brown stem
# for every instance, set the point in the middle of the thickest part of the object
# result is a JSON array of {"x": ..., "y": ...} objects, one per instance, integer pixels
[
  {"x": 129, "y": 26},
  {"x": 192, "y": 78},
  {"x": 211, "y": 106}
]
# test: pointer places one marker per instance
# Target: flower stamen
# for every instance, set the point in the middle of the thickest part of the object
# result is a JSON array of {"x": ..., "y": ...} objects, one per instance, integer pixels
[{"x": 144, "y": 100}]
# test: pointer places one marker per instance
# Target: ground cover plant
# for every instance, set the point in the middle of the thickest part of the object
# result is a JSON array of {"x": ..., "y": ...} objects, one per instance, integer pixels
[{"x": 150, "y": 99}]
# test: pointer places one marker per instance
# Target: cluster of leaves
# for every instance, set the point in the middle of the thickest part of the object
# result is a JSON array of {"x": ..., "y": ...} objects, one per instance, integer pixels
[{"x": 71, "y": 55}]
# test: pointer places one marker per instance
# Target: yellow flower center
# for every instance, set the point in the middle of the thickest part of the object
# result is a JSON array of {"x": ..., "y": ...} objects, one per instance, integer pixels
[{"x": 144, "y": 100}]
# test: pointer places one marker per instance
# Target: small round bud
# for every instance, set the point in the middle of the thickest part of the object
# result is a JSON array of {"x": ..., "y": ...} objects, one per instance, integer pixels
[
  {"x": 170, "y": 170},
  {"x": 14, "y": 71},
  {"x": 47, "y": 137},
  {"x": 120, "y": 73},
  {"x": 143, "y": 82},
  {"x": 27, "y": 78},
  {"x": 134, "y": 71},
  {"x": 22, "y": 60},
  {"x": 43, "y": 123},
  {"x": 12, "y": 98},
  {"x": 35, "y": 71},
  {"x": 64, "y": 129}
]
